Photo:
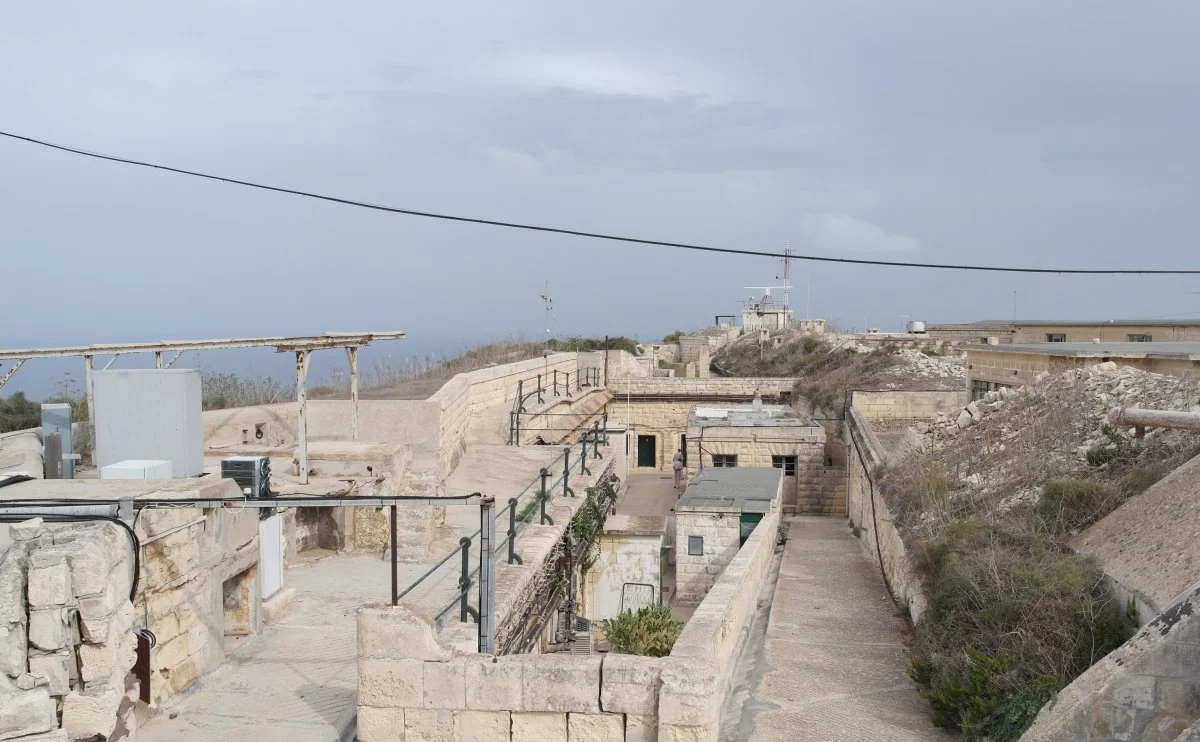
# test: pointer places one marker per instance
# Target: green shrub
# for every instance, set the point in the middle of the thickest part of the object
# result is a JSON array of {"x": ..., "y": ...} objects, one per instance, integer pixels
[
  {"x": 19, "y": 413},
  {"x": 1068, "y": 504},
  {"x": 673, "y": 337},
  {"x": 1100, "y": 455},
  {"x": 651, "y": 632},
  {"x": 1138, "y": 481}
]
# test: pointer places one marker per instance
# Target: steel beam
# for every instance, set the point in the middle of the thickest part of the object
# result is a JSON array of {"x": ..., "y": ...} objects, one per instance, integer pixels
[
  {"x": 171, "y": 361},
  {"x": 9, "y": 374},
  {"x": 111, "y": 361},
  {"x": 89, "y": 384},
  {"x": 280, "y": 343}
]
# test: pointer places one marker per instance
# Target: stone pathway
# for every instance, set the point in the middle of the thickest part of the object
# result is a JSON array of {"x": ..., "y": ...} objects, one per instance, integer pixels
[
  {"x": 297, "y": 680},
  {"x": 832, "y": 665}
]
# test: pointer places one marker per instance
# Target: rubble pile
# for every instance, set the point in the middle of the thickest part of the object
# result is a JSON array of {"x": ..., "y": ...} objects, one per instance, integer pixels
[
  {"x": 1003, "y": 447},
  {"x": 919, "y": 364}
]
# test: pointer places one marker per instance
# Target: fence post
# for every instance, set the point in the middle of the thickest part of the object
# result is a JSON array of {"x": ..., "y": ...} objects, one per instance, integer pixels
[
  {"x": 596, "y": 440},
  {"x": 540, "y": 399},
  {"x": 583, "y": 454},
  {"x": 487, "y": 583},
  {"x": 512, "y": 532},
  {"x": 567, "y": 491},
  {"x": 464, "y": 582},
  {"x": 543, "y": 496},
  {"x": 556, "y": 382},
  {"x": 520, "y": 395}
]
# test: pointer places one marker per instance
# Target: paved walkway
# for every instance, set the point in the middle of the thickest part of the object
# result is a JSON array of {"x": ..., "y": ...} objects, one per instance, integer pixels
[
  {"x": 297, "y": 680},
  {"x": 832, "y": 664}
]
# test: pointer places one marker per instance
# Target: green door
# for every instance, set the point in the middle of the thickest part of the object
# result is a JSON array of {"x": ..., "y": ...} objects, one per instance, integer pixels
[
  {"x": 647, "y": 455},
  {"x": 747, "y": 523}
]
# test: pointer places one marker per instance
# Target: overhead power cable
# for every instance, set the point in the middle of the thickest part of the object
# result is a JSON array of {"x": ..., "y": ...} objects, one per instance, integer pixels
[{"x": 593, "y": 235}]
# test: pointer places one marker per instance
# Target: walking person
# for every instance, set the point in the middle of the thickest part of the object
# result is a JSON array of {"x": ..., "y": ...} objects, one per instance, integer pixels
[{"x": 677, "y": 465}]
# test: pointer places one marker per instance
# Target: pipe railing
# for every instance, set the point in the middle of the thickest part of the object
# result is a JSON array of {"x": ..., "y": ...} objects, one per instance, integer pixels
[
  {"x": 547, "y": 383},
  {"x": 519, "y": 515}
]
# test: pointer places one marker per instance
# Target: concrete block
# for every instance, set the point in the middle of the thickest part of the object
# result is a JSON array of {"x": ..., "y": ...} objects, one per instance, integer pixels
[
  {"x": 538, "y": 726},
  {"x": 397, "y": 632},
  {"x": 380, "y": 724},
  {"x": 482, "y": 726},
  {"x": 596, "y": 727},
  {"x": 494, "y": 686},
  {"x": 26, "y": 712},
  {"x": 390, "y": 683},
  {"x": 689, "y": 696},
  {"x": 87, "y": 716},
  {"x": 428, "y": 725},
  {"x": 641, "y": 728},
  {"x": 12, "y": 586},
  {"x": 13, "y": 647},
  {"x": 445, "y": 685},
  {"x": 52, "y": 670},
  {"x": 559, "y": 682},
  {"x": 965, "y": 420},
  {"x": 274, "y": 607},
  {"x": 48, "y": 628},
  {"x": 630, "y": 684},
  {"x": 49, "y": 580}
]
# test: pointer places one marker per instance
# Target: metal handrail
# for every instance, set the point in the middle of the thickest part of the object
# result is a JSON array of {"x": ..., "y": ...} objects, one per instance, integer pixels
[{"x": 585, "y": 378}]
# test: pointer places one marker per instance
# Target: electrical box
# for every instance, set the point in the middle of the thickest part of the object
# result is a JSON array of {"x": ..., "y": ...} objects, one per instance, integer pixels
[
  {"x": 137, "y": 469},
  {"x": 56, "y": 418},
  {"x": 150, "y": 413}
]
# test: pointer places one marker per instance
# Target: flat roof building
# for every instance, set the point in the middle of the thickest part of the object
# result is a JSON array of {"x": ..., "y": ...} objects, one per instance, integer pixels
[
  {"x": 991, "y": 367},
  {"x": 1068, "y": 331}
]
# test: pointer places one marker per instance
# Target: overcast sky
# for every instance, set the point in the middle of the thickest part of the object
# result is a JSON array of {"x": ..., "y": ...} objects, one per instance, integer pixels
[{"x": 1039, "y": 133}]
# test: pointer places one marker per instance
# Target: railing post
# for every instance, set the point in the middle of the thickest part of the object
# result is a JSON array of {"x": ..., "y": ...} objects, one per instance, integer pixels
[
  {"x": 604, "y": 419},
  {"x": 464, "y": 582},
  {"x": 583, "y": 455},
  {"x": 520, "y": 395},
  {"x": 539, "y": 392},
  {"x": 487, "y": 583},
  {"x": 513, "y": 558},
  {"x": 517, "y": 429},
  {"x": 567, "y": 491},
  {"x": 543, "y": 496},
  {"x": 596, "y": 440},
  {"x": 556, "y": 382}
]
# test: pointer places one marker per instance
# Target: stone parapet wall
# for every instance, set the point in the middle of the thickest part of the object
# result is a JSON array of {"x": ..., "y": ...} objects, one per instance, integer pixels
[
  {"x": 1146, "y": 689},
  {"x": 740, "y": 387},
  {"x": 66, "y": 639},
  {"x": 888, "y": 405},
  {"x": 869, "y": 513}
]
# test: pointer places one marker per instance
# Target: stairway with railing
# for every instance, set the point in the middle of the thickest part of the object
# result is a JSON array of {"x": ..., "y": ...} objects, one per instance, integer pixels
[{"x": 562, "y": 385}]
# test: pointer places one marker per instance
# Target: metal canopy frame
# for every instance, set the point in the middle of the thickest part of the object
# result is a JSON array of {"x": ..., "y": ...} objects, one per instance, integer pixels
[{"x": 300, "y": 345}]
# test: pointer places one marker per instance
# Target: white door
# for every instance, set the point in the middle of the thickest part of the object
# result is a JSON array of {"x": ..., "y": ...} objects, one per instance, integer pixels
[{"x": 270, "y": 555}]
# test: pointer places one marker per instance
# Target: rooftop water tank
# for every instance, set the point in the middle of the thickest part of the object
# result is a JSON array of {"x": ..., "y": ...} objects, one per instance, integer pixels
[{"x": 915, "y": 327}]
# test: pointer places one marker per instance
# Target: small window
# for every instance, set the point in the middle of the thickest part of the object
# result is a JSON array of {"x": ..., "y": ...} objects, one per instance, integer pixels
[
  {"x": 983, "y": 340},
  {"x": 1056, "y": 337},
  {"x": 724, "y": 460},
  {"x": 979, "y": 389},
  {"x": 695, "y": 546},
  {"x": 787, "y": 463},
  {"x": 1139, "y": 338}
]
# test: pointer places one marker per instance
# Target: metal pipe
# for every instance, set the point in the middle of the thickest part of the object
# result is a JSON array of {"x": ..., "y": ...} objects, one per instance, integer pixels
[
  {"x": 1154, "y": 418},
  {"x": 9, "y": 374},
  {"x": 395, "y": 568},
  {"x": 566, "y": 477},
  {"x": 158, "y": 359},
  {"x": 543, "y": 496},
  {"x": 513, "y": 557},
  {"x": 464, "y": 582},
  {"x": 176, "y": 529},
  {"x": 487, "y": 585},
  {"x": 352, "y": 354},
  {"x": 111, "y": 361}
]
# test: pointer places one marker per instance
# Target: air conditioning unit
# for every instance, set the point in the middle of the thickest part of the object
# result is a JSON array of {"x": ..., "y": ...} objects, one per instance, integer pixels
[{"x": 252, "y": 474}]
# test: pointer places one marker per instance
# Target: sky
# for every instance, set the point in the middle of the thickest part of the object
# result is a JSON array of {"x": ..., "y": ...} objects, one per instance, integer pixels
[{"x": 1025, "y": 133}]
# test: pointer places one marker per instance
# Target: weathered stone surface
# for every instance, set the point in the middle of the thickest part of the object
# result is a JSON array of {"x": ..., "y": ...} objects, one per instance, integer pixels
[
  {"x": 396, "y": 632},
  {"x": 596, "y": 727},
  {"x": 482, "y": 726},
  {"x": 87, "y": 716},
  {"x": 559, "y": 682},
  {"x": 965, "y": 420},
  {"x": 26, "y": 530},
  {"x": 54, "y": 735},
  {"x": 538, "y": 726},
  {"x": 630, "y": 684},
  {"x": 494, "y": 686},
  {"x": 13, "y": 647},
  {"x": 686, "y": 697},
  {"x": 390, "y": 683},
  {"x": 107, "y": 664},
  {"x": 49, "y": 580},
  {"x": 428, "y": 725},
  {"x": 26, "y": 712},
  {"x": 445, "y": 685},
  {"x": 99, "y": 629},
  {"x": 380, "y": 724},
  {"x": 27, "y": 681},
  {"x": 52, "y": 669},
  {"x": 48, "y": 628},
  {"x": 641, "y": 728},
  {"x": 12, "y": 586}
]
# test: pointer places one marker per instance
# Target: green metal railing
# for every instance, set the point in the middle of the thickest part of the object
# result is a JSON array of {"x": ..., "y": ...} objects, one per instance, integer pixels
[
  {"x": 520, "y": 511},
  {"x": 556, "y": 383}
]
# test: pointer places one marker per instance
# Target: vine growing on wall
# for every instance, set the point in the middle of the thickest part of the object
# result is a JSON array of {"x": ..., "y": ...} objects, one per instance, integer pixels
[{"x": 588, "y": 522}]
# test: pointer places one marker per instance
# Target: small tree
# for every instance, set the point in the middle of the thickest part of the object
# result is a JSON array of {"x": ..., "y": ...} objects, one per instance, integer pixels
[
  {"x": 18, "y": 413},
  {"x": 651, "y": 632}
]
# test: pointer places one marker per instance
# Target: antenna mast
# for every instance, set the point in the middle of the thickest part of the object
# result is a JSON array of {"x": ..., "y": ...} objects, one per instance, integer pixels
[
  {"x": 549, "y": 305},
  {"x": 787, "y": 274}
]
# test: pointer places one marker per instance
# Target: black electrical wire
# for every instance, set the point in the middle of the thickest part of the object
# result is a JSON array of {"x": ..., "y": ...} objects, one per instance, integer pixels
[
  {"x": 61, "y": 518},
  {"x": 591, "y": 235},
  {"x": 16, "y": 479}
]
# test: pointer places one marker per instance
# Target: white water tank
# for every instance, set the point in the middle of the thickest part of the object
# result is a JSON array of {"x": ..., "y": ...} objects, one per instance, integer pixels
[{"x": 915, "y": 327}]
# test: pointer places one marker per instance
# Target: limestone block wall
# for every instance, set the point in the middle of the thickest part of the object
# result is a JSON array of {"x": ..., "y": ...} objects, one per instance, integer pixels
[
  {"x": 814, "y": 490},
  {"x": 885, "y": 405},
  {"x": 1147, "y": 689},
  {"x": 66, "y": 640},
  {"x": 411, "y": 685},
  {"x": 696, "y": 574},
  {"x": 698, "y": 390},
  {"x": 868, "y": 511}
]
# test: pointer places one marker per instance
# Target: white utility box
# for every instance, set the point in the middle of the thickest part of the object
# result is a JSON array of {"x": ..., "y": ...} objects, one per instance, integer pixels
[
  {"x": 150, "y": 413},
  {"x": 137, "y": 469}
]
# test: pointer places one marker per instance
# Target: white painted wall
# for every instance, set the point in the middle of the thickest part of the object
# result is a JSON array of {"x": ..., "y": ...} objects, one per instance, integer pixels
[{"x": 623, "y": 558}]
